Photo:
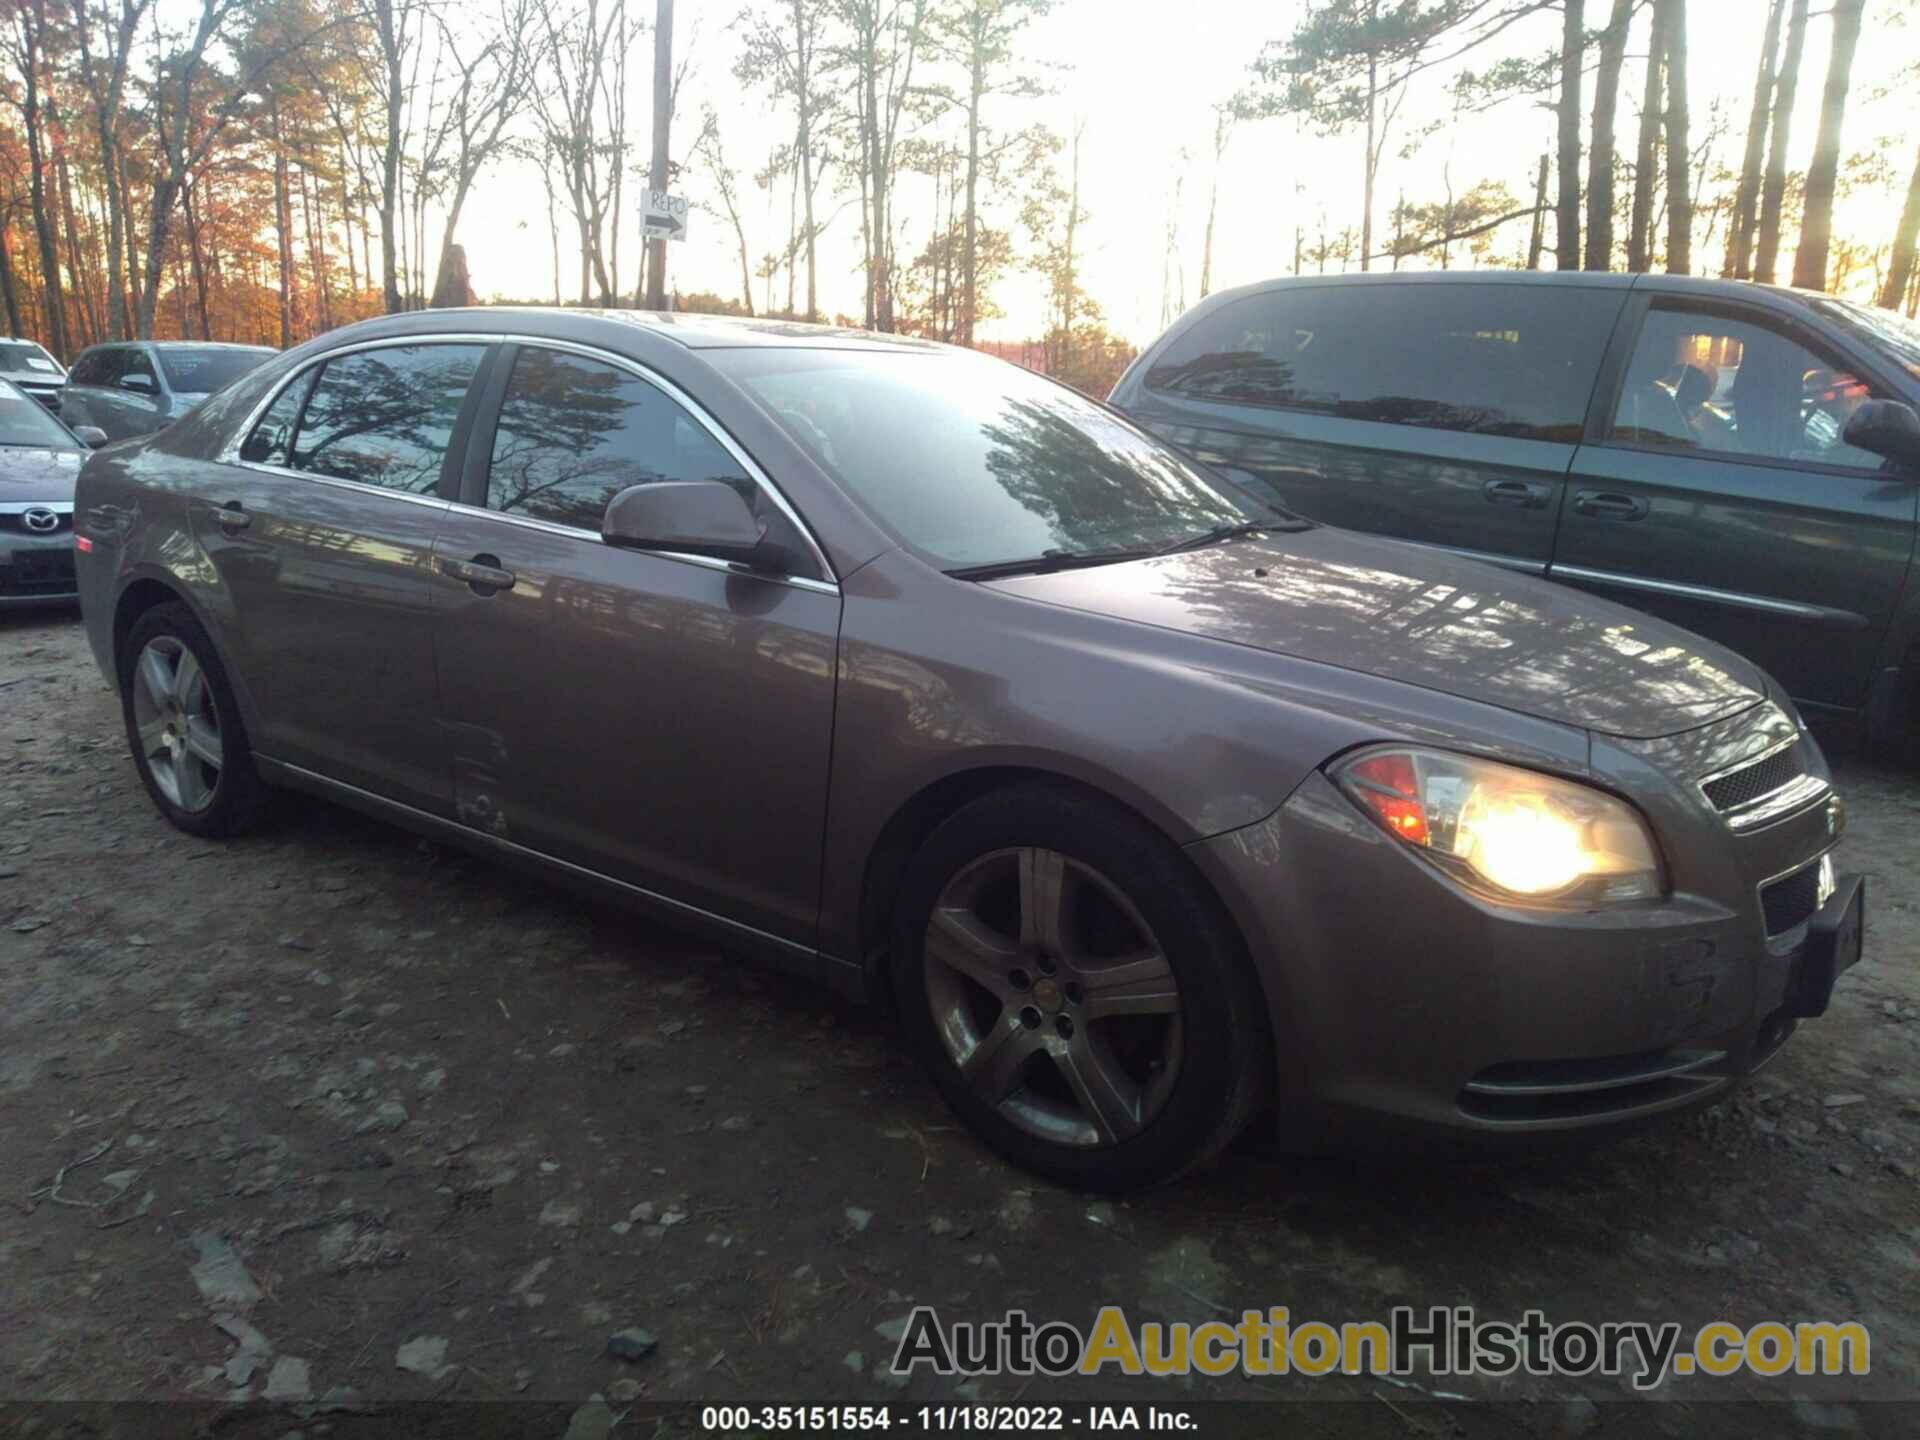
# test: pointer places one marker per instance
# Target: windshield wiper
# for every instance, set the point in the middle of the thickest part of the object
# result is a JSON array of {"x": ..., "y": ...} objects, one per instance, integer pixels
[
  {"x": 1047, "y": 562},
  {"x": 1233, "y": 532}
]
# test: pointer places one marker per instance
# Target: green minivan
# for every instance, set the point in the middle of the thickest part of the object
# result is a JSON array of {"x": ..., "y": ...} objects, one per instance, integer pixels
[{"x": 1739, "y": 459}]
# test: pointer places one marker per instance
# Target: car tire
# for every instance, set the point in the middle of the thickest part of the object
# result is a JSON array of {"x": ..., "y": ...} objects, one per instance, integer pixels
[
  {"x": 1023, "y": 953},
  {"x": 189, "y": 743}
]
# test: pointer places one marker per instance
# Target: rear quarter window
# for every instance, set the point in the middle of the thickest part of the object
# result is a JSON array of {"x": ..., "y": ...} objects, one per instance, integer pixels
[{"x": 1487, "y": 359}]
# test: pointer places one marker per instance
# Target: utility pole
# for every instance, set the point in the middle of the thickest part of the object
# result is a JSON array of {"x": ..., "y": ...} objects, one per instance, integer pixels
[{"x": 662, "y": 117}]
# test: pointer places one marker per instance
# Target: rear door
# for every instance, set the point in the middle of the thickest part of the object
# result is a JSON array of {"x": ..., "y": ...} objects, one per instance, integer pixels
[
  {"x": 662, "y": 719},
  {"x": 322, "y": 533},
  {"x": 1440, "y": 412},
  {"x": 1716, "y": 492}
]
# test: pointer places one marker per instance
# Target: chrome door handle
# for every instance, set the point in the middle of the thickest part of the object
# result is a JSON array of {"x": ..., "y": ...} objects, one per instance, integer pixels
[
  {"x": 484, "y": 573},
  {"x": 1526, "y": 494},
  {"x": 233, "y": 517},
  {"x": 1609, "y": 505}
]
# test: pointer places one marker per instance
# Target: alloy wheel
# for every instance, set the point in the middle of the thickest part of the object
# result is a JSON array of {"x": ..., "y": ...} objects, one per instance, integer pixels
[
  {"x": 178, "y": 724},
  {"x": 1053, "y": 997}
]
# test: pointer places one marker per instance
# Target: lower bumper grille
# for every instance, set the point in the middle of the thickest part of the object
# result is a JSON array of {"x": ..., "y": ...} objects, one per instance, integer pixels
[
  {"x": 47, "y": 572},
  {"x": 1586, "y": 1089},
  {"x": 1791, "y": 900}
]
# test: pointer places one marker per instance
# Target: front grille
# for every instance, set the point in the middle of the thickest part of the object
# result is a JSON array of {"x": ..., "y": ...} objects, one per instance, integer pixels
[
  {"x": 1791, "y": 900},
  {"x": 1752, "y": 782},
  {"x": 17, "y": 525}
]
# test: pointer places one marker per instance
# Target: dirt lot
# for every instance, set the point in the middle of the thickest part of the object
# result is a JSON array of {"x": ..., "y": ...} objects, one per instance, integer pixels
[{"x": 419, "y": 1127}]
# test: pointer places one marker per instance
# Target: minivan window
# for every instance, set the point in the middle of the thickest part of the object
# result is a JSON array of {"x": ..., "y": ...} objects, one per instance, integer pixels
[
  {"x": 976, "y": 462},
  {"x": 1706, "y": 382},
  {"x": 385, "y": 417},
  {"x": 573, "y": 433},
  {"x": 96, "y": 367},
  {"x": 1515, "y": 360},
  {"x": 201, "y": 370}
]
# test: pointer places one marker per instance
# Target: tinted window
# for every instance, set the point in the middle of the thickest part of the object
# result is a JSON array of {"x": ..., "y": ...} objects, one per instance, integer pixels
[
  {"x": 200, "y": 370},
  {"x": 1886, "y": 330},
  {"x": 271, "y": 442},
  {"x": 1704, "y": 382},
  {"x": 95, "y": 367},
  {"x": 385, "y": 417},
  {"x": 24, "y": 421},
  {"x": 574, "y": 433},
  {"x": 1495, "y": 359},
  {"x": 135, "y": 362},
  {"x": 976, "y": 461}
]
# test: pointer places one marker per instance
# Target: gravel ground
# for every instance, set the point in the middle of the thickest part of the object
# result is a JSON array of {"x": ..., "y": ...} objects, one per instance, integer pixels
[{"x": 335, "y": 1117}]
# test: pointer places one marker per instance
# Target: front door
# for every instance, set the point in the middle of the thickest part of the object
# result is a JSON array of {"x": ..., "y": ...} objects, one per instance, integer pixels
[
  {"x": 1720, "y": 496},
  {"x": 660, "y": 719},
  {"x": 323, "y": 536}
]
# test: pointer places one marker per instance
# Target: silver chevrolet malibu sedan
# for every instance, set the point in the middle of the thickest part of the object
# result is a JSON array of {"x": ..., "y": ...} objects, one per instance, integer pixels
[{"x": 1148, "y": 807}]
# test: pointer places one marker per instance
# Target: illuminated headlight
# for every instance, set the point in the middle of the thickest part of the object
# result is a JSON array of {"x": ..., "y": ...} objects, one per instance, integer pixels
[{"x": 1516, "y": 832}]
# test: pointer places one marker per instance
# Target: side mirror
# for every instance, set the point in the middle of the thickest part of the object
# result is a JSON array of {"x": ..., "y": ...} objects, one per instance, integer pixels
[
  {"x": 1886, "y": 427},
  {"x": 91, "y": 436},
  {"x": 696, "y": 517},
  {"x": 140, "y": 384}
]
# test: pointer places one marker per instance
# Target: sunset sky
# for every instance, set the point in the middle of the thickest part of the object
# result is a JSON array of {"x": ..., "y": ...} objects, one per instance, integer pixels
[{"x": 1144, "y": 75}]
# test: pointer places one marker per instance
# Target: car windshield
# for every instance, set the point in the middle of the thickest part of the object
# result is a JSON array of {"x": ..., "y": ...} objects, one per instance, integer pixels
[
  {"x": 200, "y": 370},
  {"x": 977, "y": 462},
  {"x": 1887, "y": 330},
  {"x": 25, "y": 421},
  {"x": 18, "y": 355}
]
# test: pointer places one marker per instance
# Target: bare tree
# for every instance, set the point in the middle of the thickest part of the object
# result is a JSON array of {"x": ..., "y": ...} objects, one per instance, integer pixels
[
  {"x": 1746, "y": 205},
  {"x": 1671, "y": 16},
  {"x": 572, "y": 116},
  {"x": 1600, "y": 155},
  {"x": 1900, "y": 265},
  {"x": 786, "y": 53},
  {"x": 1816, "y": 223},
  {"x": 876, "y": 58},
  {"x": 1773, "y": 193},
  {"x": 490, "y": 75},
  {"x": 1640, "y": 222},
  {"x": 1566, "y": 213},
  {"x": 713, "y": 157},
  {"x": 104, "y": 72},
  {"x": 28, "y": 42}
]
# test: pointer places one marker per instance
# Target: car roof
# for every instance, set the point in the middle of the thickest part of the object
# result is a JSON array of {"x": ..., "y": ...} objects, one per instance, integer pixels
[{"x": 711, "y": 332}]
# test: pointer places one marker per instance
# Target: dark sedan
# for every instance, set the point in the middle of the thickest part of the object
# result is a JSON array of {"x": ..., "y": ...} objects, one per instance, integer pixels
[{"x": 1150, "y": 806}]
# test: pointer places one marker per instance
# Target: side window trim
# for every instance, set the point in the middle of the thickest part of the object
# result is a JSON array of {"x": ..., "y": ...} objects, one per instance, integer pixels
[
  {"x": 229, "y": 453},
  {"x": 472, "y": 492},
  {"x": 1650, "y": 302}
]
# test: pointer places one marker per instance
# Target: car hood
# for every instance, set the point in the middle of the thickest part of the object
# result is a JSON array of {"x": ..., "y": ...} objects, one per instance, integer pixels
[
  {"x": 1426, "y": 617},
  {"x": 46, "y": 474}
]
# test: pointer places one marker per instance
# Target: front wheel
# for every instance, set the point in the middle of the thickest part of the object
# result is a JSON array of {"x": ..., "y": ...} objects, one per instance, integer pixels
[
  {"x": 1076, "y": 992},
  {"x": 188, "y": 741}
]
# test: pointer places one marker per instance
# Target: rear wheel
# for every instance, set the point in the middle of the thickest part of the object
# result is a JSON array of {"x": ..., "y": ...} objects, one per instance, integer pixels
[
  {"x": 1076, "y": 992},
  {"x": 188, "y": 740}
]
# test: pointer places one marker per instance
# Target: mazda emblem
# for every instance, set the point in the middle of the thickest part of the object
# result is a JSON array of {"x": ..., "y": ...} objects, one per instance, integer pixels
[{"x": 41, "y": 520}]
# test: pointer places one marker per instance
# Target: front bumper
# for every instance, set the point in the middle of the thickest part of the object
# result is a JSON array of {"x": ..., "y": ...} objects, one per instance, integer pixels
[{"x": 1404, "y": 1006}]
